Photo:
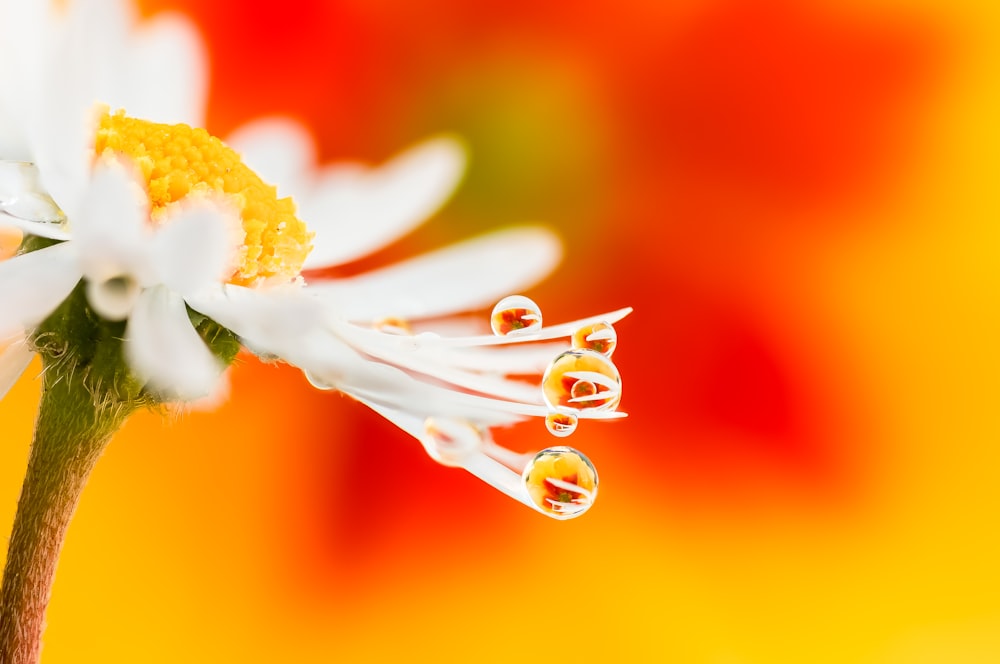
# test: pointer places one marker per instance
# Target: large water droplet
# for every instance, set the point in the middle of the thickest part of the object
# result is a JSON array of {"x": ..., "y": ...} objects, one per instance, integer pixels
[
  {"x": 599, "y": 337},
  {"x": 561, "y": 424},
  {"x": 450, "y": 441},
  {"x": 582, "y": 380},
  {"x": 515, "y": 314},
  {"x": 561, "y": 481}
]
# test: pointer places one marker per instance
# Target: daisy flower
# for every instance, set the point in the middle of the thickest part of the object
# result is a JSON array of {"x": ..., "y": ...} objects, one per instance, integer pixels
[
  {"x": 152, "y": 252},
  {"x": 447, "y": 391},
  {"x": 179, "y": 241}
]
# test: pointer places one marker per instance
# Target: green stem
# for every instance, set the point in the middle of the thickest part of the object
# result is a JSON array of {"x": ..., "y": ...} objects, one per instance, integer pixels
[{"x": 72, "y": 431}]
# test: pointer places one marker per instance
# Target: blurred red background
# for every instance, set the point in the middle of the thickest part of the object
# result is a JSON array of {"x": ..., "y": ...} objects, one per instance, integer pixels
[{"x": 799, "y": 200}]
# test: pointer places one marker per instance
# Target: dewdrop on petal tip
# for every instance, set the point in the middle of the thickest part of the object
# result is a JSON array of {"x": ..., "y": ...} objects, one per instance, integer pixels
[
  {"x": 450, "y": 441},
  {"x": 515, "y": 314},
  {"x": 561, "y": 481},
  {"x": 561, "y": 423},
  {"x": 599, "y": 337},
  {"x": 582, "y": 380}
]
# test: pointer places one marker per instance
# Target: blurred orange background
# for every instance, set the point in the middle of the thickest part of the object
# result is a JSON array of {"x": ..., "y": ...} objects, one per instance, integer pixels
[{"x": 799, "y": 199}]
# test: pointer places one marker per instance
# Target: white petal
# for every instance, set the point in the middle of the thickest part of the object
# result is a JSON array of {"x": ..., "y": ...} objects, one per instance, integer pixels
[
  {"x": 515, "y": 361},
  {"x": 391, "y": 387},
  {"x": 25, "y": 33},
  {"x": 281, "y": 322},
  {"x": 490, "y": 471},
  {"x": 280, "y": 151},
  {"x": 14, "y": 359},
  {"x": 165, "y": 72},
  {"x": 109, "y": 230},
  {"x": 465, "y": 276},
  {"x": 219, "y": 395},
  {"x": 543, "y": 334},
  {"x": 165, "y": 350},
  {"x": 113, "y": 297},
  {"x": 355, "y": 211},
  {"x": 398, "y": 350},
  {"x": 195, "y": 248},
  {"x": 62, "y": 134},
  {"x": 34, "y": 284},
  {"x": 39, "y": 228}
]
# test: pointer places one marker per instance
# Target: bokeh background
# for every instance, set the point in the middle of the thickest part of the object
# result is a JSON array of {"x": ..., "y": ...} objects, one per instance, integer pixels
[{"x": 800, "y": 199}]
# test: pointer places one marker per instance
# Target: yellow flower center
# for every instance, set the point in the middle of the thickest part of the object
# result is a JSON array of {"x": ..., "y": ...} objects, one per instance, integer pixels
[{"x": 177, "y": 161}]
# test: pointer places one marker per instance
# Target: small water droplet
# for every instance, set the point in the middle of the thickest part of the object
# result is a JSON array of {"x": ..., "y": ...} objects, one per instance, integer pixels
[
  {"x": 561, "y": 481},
  {"x": 451, "y": 441},
  {"x": 561, "y": 424},
  {"x": 582, "y": 380},
  {"x": 599, "y": 337},
  {"x": 393, "y": 325},
  {"x": 515, "y": 314}
]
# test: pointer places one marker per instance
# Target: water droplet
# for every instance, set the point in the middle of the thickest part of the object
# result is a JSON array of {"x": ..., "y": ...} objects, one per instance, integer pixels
[
  {"x": 582, "y": 380},
  {"x": 393, "y": 325},
  {"x": 561, "y": 481},
  {"x": 561, "y": 424},
  {"x": 599, "y": 337},
  {"x": 450, "y": 441},
  {"x": 318, "y": 382},
  {"x": 515, "y": 314}
]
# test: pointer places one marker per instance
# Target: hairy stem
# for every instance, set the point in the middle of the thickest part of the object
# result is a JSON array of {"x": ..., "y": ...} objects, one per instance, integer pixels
[{"x": 72, "y": 430}]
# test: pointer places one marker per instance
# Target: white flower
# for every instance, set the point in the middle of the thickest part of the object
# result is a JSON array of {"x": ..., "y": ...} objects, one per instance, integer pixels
[
  {"x": 93, "y": 50},
  {"x": 370, "y": 336},
  {"x": 376, "y": 337},
  {"x": 131, "y": 271}
]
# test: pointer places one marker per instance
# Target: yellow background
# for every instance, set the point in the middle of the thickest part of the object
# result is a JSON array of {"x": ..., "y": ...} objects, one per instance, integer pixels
[{"x": 801, "y": 202}]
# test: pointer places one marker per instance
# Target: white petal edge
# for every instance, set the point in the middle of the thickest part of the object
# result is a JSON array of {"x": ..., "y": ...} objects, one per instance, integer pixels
[
  {"x": 110, "y": 228},
  {"x": 62, "y": 134},
  {"x": 39, "y": 228},
  {"x": 355, "y": 211},
  {"x": 462, "y": 277},
  {"x": 14, "y": 359},
  {"x": 544, "y": 334},
  {"x": 488, "y": 470},
  {"x": 392, "y": 387},
  {"x": 196, "y": 247},
  {"x": 279, "y": 321},
  {"x": 280, "y": 150},
  {"x": 165, "y": 350},
  {"x": 167, "y": 72},
  {"x": 393, "y": 349},
  {"x": 34, "y": 284}
]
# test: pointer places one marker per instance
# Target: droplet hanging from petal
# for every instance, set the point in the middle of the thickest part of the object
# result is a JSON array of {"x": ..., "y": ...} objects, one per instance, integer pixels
[
  {"x": 450, "y": 441},
  {"x": 561, "y": 481},
  {"x": 515, "y": 314},
  {"x": 598, "y": 337},
  {"x": 582, "y": 380},
  {"x": 561, "y": 424}
]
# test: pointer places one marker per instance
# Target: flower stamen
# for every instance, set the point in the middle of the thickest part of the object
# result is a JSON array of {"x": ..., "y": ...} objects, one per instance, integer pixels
[{"x": 178, "y": 162}]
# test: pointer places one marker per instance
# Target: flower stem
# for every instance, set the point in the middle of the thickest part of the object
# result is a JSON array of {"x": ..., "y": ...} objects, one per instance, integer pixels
[{"x": 72, "y": 431}]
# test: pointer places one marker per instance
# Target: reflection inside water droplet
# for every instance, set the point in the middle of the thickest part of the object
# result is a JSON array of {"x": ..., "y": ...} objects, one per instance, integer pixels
[
  {"x": 561, "y": 424},
  {"x": 561, "y": 481},
  {"x": 582, "y": 380},
  {"x": 515, "y": 314},
  {"x": 599, "y": 337},
  {"x": 450, "y": 441}
]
